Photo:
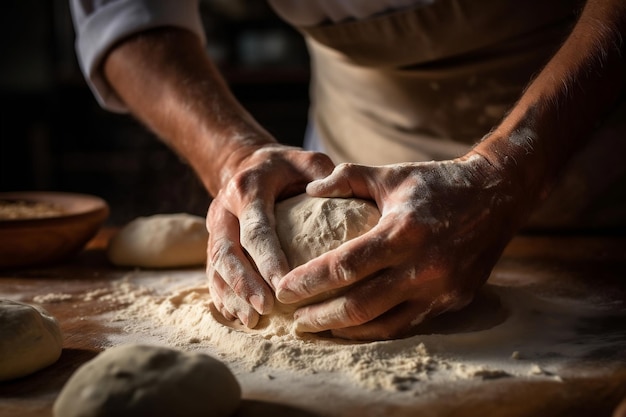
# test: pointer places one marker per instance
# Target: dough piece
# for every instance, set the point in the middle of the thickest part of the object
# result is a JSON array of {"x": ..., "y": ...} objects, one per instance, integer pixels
[
  {"x": 161, "y": 241},
  {"x": 30, "y": 339},
  {"x": 308, "y": 226},
  {"x": 138, "y": 380}
]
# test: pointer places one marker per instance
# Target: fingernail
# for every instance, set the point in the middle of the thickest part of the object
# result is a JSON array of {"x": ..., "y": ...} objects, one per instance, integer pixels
[
  {"x": 244, "y": 319},
  {"x": 253, "y": 320},
  {"x": 302, "y": 326},
  {"x": 313, "y": 184},
  {"x": 257, "y": 303},
  {"x": 286, "y": 296},
  {"x": 275, "y": 280}
]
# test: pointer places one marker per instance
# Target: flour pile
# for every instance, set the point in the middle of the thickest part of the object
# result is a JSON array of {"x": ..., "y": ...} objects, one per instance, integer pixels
[
  {"x": 186, "y": 319},
  {"x": 536, "y": 340}
]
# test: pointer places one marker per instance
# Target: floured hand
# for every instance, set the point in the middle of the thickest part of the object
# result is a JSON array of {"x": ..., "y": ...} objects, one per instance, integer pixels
[
  {"x": 245, "y": 261},
  {"x": 443, "y": 227}
]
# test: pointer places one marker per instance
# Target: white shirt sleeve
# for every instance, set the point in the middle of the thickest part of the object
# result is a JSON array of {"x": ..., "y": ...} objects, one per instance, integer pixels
[{"x": 99, "y": 24}]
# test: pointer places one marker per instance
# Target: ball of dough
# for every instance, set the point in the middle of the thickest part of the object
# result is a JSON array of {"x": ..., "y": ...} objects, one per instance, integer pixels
[
  {"x": 138, "y": 380},
  {"x": 160, "y": 241},
  {"x": 30, "y": 339},
  {"x": 310, "y": 226}
]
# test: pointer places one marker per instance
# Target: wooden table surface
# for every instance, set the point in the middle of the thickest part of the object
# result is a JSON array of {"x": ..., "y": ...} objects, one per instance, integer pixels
[{"x": 592, "y": 265}]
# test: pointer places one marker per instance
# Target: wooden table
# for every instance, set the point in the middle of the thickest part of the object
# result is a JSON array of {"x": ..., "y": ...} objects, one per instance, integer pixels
[{"x": 586, "y": 266}]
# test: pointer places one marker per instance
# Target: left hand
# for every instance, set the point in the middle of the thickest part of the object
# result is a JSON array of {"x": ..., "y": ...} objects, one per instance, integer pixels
[
  {"x": 244, "y": 256},
  {"x": 443, "y": 227}
]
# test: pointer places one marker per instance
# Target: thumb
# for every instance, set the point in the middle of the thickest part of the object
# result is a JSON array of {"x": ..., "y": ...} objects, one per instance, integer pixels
[{"x": 346, "y": 180}]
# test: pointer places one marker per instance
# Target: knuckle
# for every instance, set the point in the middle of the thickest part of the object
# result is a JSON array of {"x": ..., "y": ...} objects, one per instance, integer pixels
[
  {"x": 320, "y": 161},
  {"x": 215, "y": 213},
  {"x": 239, "y": 286},
  {"x": 345, "y": 168},
  {"x": 406, "y": 229},
  {"x": 356, "y": 311},
  {"x": 218, "y": 252},
  {"x": 223, "y": 261},
  {"x": 253, "y": 232},
  {"x": 342, "y": 268},
  {"x": 244, "y": 182}
]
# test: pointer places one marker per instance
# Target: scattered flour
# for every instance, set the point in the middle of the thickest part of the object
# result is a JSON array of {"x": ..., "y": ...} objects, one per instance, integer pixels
[
  {"x": 52, "y": 298},
  {"x": 535, "y": 341}
]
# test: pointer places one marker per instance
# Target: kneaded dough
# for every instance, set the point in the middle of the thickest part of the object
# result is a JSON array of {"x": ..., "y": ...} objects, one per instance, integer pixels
[
  {"x": 310, "y": 226},
  {"x": 30, "y": 339},
  {"x": 141, "y": 380},
  {"x": 160, "y": 241}
]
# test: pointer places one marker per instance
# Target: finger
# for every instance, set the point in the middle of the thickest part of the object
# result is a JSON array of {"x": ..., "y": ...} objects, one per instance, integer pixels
[
  {"x": 334, "y": 270},
  {"x": 258, "y": 237},
  {"x": 393, "y": 324},
  {"x": 216, "y": 294},
  {"x": 370, "y": 253},
  {"x": 314, "y": 165},
  {"x": 216, "y": 289},
  {"x": 228, "y": 303},
  {"x": 361, "y": 304},
  {"x": 346, "y": 180},
  {"x": 232, "y": 264},
  {"x": 352, "y": 180},
  {"x": 403, "y": 320}
]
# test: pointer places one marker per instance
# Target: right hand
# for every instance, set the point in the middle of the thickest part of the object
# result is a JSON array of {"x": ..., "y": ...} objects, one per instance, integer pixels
[
  {"x": 444, "y": 225},
  {"x": 245, "y": 261}
]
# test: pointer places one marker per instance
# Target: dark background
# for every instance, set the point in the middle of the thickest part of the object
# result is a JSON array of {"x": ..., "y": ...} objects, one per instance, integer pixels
[{"x": 55, "y": 137}]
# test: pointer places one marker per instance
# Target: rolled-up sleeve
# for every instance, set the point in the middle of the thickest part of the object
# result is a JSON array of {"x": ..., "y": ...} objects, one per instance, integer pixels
[{"x": 100, "y": 24}]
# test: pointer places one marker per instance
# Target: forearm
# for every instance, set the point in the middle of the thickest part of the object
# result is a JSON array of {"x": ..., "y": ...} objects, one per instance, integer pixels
[
  {"x": 168, "y": 82},
  {"x": 564, "y": 103}
]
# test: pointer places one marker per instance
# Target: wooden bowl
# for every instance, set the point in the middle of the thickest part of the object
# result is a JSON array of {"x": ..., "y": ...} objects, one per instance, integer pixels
[{"x": 47, "y": 227}]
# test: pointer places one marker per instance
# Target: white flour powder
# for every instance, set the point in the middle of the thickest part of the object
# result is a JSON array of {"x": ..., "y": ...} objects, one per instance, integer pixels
[{"x": 537, "y": 338}]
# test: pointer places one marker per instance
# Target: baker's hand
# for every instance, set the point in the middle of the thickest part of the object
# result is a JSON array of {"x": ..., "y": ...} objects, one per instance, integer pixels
[
  {"x": 244, "y": 257},
  {"x": 443, "y": 227}
]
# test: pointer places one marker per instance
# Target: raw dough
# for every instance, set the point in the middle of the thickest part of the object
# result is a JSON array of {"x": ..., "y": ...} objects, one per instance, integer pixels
[
  {"x": 308, "y": 227},
  {"x": 138, "y": 380},
  {"x": 161, "y": 241},
  {"x": 30, "y": 339}
]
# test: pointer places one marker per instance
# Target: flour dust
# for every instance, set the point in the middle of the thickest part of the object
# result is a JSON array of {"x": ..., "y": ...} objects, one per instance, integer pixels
[{"x": 538, "y": 339}]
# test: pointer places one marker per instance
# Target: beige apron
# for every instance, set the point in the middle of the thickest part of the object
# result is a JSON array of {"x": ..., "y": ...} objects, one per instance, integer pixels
[{"x": 428, "y": 82}]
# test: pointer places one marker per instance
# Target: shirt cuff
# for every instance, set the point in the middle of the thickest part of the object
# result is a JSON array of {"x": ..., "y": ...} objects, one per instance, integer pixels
[{"x": 98, "y": 31}]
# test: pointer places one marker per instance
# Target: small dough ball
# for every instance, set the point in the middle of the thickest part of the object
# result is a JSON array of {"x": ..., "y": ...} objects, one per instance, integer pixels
[
  {"x": 161, "y": 241},
  {"x": 151, "y": 381},
  {"x": 30, "y": 339},
  {"x": 310, "y": 226}
]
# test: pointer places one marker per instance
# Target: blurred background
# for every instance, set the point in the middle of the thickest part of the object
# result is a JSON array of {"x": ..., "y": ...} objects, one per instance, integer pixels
[{"x": 55, "y": 137}]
